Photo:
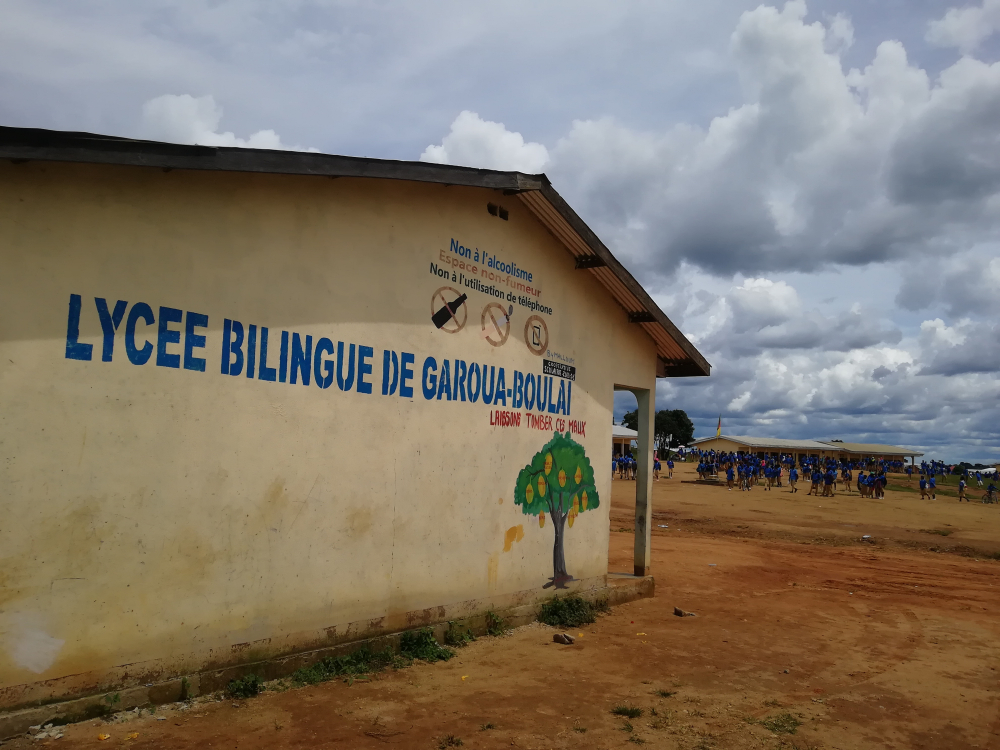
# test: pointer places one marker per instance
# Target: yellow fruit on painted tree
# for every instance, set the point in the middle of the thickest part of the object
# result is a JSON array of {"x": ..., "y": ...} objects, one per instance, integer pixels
[
  {"x": 548, "y": 462},
  {"x": 576, "y": 504},
  {"x": 583, "y": 497},
  {"x": 578, "y": 476},
  {"x": 541, "y": 520},
  {"x": 570, "y": 519},
  {"x": 562, "y": 478},
  {"x": 529, "y": 493},
  {"x": 541, "y": 486}
]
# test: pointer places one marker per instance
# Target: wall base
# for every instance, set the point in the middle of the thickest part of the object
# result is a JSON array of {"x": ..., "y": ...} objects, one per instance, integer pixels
[{"x": 67, "y": 700}]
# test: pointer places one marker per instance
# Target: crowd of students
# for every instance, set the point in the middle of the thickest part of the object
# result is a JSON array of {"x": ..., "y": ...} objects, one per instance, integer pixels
[
  {"x": 825, "y": 476},
  {"x": 625, "y": 467}
]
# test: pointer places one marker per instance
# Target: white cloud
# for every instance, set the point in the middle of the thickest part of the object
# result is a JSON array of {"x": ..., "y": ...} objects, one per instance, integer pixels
[
  {"x": 474, "y": 142},
  {"x": 186, "y": 119},
  {"x": 781, "y": 366},
  {"x": 966, "y": 28},
  {"x": 818, "y": 166}
]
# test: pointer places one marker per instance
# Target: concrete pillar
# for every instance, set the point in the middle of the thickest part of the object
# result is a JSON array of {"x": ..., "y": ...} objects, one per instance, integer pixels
[{"x": 644, "y": 479}]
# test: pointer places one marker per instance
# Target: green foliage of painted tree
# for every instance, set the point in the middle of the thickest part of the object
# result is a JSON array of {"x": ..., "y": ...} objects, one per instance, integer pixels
[{"x": 557, "y": 485}]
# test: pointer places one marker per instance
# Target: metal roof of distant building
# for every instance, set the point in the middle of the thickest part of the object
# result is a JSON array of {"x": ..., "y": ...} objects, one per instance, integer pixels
[
  {"x": 766, "y": 442},
  {"x": 621, "y": 431},
  {"x": 872, "y": 449},
  {"x": 677, "y": 357}
]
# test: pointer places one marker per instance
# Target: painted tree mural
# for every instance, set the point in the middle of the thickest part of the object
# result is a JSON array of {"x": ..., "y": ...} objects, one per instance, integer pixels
[{"x": 559, "y": 482}]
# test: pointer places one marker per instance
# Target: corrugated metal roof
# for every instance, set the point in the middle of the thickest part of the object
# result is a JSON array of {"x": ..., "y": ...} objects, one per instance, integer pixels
[
  {"x": 621, "y": 431},
  {"x": 766, "y": 442},
  {"x": 872, "y": 449},
  {"x": 677, "y": 357}
]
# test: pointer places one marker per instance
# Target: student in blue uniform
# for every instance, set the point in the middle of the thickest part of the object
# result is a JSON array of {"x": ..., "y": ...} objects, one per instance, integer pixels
[
  {"x": 923, "y": 488},
  {"x": 793, "y": 477},
  {"x": 670, "y": 468},
  {"x": 729, "y": 477},
  {"x": 932, "y": 487}
]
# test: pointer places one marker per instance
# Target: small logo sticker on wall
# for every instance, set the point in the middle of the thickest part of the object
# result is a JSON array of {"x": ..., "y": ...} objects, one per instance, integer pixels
[
  {"x": 449, "y": 312},
  {"x": 496, "y": 323},
  {"x": 559, "y": 369},
  {"x": 536, "y": 335}
]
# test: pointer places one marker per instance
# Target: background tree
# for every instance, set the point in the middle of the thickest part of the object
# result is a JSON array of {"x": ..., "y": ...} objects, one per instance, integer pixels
[
  {"x": 631, "y": 419},
  {"x": 558, "y": 481},
  {"x": 669, "y": 423},
  {"x": 673, "y": 422}
]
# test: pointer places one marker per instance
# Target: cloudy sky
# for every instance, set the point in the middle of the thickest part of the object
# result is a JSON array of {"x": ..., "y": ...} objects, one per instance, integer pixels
[{"x": 811, "y": 190}]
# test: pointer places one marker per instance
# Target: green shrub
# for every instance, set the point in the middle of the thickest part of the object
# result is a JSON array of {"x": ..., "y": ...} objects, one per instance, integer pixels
[
  {"x": 570, "y": 611},
  {"x": 421, "y": 644},
  {"x": 246, "y": 687}
]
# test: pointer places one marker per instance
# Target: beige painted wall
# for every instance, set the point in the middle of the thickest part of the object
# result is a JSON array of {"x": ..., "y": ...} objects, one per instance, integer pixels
[{"x": 151, "y": 512}]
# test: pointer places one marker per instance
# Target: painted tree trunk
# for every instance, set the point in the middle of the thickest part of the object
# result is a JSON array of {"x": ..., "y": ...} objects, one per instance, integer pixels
[{"x": 558, "y": 555}]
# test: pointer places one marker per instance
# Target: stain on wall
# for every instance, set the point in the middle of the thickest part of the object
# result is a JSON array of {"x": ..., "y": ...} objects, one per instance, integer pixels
[{"x": 514, "y": 534}]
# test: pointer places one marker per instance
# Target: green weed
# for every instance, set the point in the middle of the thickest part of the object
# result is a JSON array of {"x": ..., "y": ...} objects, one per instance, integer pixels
[
  {"x": 364, "y": 661},
  {"x": 665, "y": 693},
  {"x": 571, "y": 611},
  {"x": 246, "y": 687},
  {"x": 421, "y": 644},
  {"x": 450, "y": 741},
  {"x": 457, "y": 636},
  {"x": 495, "y": 624}
]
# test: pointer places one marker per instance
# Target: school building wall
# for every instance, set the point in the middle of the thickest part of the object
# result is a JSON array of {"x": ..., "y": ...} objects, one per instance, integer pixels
[
  {"x": 727, "y": 446},
  {"x": 161, "y": 517}
]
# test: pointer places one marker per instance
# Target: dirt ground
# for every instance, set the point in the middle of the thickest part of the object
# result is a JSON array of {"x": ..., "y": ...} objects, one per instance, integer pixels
[{"x": 889, "y": 643}]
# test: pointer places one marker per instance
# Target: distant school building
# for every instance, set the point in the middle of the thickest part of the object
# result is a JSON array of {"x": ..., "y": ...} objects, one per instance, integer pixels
[
  {"x": 775, "y": 447},
  {"x": 256, "y": 404}
]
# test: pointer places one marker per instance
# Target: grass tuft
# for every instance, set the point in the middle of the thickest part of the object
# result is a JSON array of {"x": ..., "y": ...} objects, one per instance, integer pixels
[
  {"x": 781, "y": 724},
  {"x": 665, "y": 693},
  {"x": 571, "y": 611},
  {"x": 624, "y": 709},
  {"x": 487, "y": 727},
  {"x": 450, "y": 741}
]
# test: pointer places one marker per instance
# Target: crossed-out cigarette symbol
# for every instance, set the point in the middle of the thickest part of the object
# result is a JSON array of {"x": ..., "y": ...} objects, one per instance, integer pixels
[{"x": 496, "y": 323}]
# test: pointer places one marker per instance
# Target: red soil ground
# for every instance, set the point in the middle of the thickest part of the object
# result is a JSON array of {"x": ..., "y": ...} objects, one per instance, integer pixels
[{"x": 865, "y": 645}]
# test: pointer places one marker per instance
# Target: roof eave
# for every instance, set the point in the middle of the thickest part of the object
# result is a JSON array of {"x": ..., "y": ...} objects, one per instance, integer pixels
[{"x": 676, "y": 356}]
